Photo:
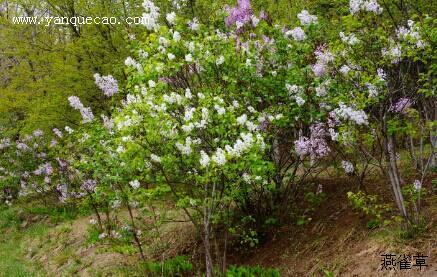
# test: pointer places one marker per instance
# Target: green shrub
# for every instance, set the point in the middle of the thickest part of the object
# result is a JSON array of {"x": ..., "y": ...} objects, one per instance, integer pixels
[{"x": 370, "y": 206}]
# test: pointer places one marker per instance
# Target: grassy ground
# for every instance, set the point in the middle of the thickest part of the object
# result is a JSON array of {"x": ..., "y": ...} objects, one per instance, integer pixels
[
  {"x": 13, "y": 244},
  {"x": 335, "y": 242}
]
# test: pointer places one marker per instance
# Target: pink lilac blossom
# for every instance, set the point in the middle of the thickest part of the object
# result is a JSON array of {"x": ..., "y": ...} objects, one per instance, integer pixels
[
  {"x": 87, "y": 114},
  {"x": 57, "y": 132},
  {"x": 75, "y": 102},
  {"x": 306, "y": 18},
  {"x": 22, "y": 146},
  {"x": 38, "y": 133},
  {"x": 240, "y": 14},
  {"x": 370, "y": 6},
  {"x": 107, "y": 84},
  {"x": 89, "y": 186},
  {"x": 53, "y": 143},
  {"x": 297, "y": 33},
  {"x": 316, "y": 145},
  {"x": 324, "y": 57},
  {"x": 108, "y": 122}
]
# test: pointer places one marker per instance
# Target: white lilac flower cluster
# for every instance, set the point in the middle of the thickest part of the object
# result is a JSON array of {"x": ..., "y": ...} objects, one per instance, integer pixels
[
  {"x": 243, "y": 144},
  {"x": 150, "y": 16},
  {"x": 394, "y": 52},
  {"x": 365, "y": 5},
  {"x": 107, "y": 84},
  {"x": 186, "y": 148},
  {"x": 417, "y": 185},
  {"x": 130, "y": 62},
  {"x": 87, "y": 114},
  {"x": 296, "y": 92},
  {"x": 350, "y": 39},
  {"x": 348, "y": 113},
  {"x": 5, "y": 143},
  {"x": 411, "y": 33},
  {"x": 321, "y": 90},
  {"x": 135, "y": 184}
]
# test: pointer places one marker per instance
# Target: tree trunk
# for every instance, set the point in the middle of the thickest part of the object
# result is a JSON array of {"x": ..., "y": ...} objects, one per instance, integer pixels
[
  {"x": 393, "y": 173},
  {"x": 206, "y": 244}
]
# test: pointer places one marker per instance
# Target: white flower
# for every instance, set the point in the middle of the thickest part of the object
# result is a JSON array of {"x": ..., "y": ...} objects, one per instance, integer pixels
[
  {"x": 299, "y": 100},
  {"x": 321, "y": 91},
  {"x": 171, "y": 17},
  {"x": 219, "y": 157},
  {"x": 241, "y": 120},
  {"x": 373, "y": 91},
  {"x": 69, "y": 130},
  {"x": 333, "y": 134},
  {"x": 204, "y": 159},
  {"x": 417, "y": 185},
  {"x": 306, "y": 18},
  {"x": 366, "y": 5},
  {"x": 394, "y": 53},
  {"x": 372, "y": 6},
  {"x": 220, "y": 60},
  {"x": 293, "y": 89},
  {"x": 171, "y": 56},
  {"x": 191, "y": 46},
  {"x": 345, "y": 69},
  {"x": 155, "y": 158},
  {"x": 150, "y": 16},
  {"x": 188, "y": 58},
  {"x": 381, "y": 74},
  {"x": 348, "y": 113},
  {"x": 194, "y": 24},
  {"x": 255, "y": 20},
  {"x": 176, "y": 36},
  {"x": 189, "y": 111},
  {"x": 220, "y": 110},
  {"x": 152, "y": 83},
  {"x": 351, "y": 39},
  {"x": 188, "y": 93},
  {"x": 347, "y": 166},
  {"x": 185, "y": 149},
  {"x": 247, "y": 178},
  {"x": 319, "y": 69},
  {"x": 135, "y": 184},
  {"x": 188, "y": 128}
]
